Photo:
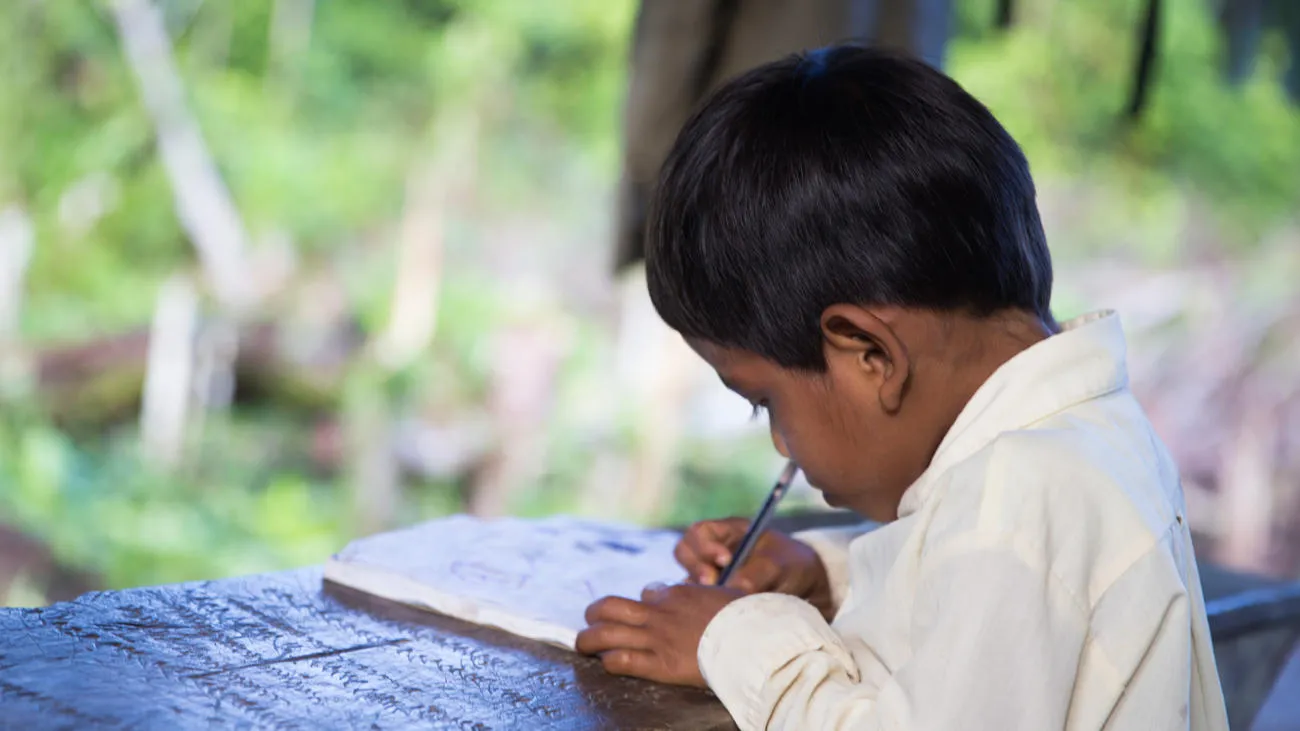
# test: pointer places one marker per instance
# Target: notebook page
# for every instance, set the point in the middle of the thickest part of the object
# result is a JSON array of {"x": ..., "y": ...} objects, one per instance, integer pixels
[{"x": 534, "y": 578}]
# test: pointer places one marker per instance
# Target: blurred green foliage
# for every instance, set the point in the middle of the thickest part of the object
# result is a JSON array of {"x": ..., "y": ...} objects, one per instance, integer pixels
[
  {"x": 1060, "y": 79},
  {"x": 102, "y": 508},
  {"x": 318, "y": 145}
]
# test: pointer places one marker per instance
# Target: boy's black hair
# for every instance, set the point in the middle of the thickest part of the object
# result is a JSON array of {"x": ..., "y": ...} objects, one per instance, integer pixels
[{"x": 844, "y": 175}]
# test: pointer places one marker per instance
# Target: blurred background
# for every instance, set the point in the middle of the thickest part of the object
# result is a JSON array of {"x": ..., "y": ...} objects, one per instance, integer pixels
[{"x": 278, "y": 273}]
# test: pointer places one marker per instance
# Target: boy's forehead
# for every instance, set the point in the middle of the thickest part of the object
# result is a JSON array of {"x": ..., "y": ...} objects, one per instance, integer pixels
[
  {"x": 734, "y": 366},
  {"x": 722, "y": 358}
]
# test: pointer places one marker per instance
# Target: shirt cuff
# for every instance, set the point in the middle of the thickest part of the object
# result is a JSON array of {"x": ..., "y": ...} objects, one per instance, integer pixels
[
  {"x": 751, "y": 639},
  {"x": 832, "y": 547}
]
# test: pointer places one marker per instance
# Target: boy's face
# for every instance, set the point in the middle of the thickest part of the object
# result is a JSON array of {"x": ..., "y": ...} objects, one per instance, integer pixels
[{"x": 841, "y": 427}]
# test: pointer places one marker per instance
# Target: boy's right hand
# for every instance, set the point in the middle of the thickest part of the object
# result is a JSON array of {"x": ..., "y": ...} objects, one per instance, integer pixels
[{"x": 778, "y": 562}]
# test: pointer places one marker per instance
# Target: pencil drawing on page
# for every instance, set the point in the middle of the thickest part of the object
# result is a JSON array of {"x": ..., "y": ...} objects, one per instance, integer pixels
[{"x": 532, "y": 578}]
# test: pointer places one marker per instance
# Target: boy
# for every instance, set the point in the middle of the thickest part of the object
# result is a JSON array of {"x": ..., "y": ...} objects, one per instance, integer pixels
[{"x": 852, "y": 242}]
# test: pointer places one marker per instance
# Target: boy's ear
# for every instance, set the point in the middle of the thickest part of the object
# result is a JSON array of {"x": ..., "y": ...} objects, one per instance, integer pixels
[{"x": 855, "y": 332}]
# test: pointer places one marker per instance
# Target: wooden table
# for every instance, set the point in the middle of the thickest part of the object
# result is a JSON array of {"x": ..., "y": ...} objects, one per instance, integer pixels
[{"x": 285, "y": 651}]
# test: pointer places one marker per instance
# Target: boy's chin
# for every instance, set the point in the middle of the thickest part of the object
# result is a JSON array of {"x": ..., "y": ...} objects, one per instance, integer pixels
[
  {"x": 842, "y": 502},
  {"x": 831, "y": 498}
]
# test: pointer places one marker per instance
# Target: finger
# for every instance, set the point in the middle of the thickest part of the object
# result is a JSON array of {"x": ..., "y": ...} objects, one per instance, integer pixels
[
  {"x": 653, "y": 588},
  {"x": 731, "y": 530},
  {"x": 654, "y": 592},
  {"x": 688, "y": 559},
  {"x": 714, "y": 540},
  {"x": 638, "y": 663},
  {"x": 708, "y": 576},
  {"x": 617, "y": 609},
  {"x": 699, "y": 553},
  {"x": 698, "y": 570},
  {"x": 755, "y": 575},
  {"x": 607, "y": 636},
  {"x": 657, "y": 599}
]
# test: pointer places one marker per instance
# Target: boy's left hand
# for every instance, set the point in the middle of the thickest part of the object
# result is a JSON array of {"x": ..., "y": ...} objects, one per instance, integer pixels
[{"x": 657, "y": 637}]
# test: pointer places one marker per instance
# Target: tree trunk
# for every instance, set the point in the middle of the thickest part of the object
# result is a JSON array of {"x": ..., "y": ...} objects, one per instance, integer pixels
[
  {"x": 290, "y": 37},
  {"x": 94, "y": 384},
  {"x": 203, "y": 204},
  {"x": 16, "y": 237},
  {"x": 526, "y": 360},
  {"x": 919, "y": 27},
  {"x": 169, "y": 374},
  {"x": 661, "y": 380},
  {"x": 374, "y": 474},
  {"x": 413, "y": 312},
  {"x": 1006, "y": 14},
  {"x": 1144, "y": 72}
]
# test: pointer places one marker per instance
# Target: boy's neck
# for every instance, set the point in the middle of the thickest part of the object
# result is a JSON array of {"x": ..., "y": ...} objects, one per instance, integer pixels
[
  {"x": 955, "y": 354},
  {"x": 972, "y": 349}
]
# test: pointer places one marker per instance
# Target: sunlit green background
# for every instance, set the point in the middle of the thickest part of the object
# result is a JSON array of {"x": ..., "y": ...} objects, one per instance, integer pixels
[{"x": 317, "y": 149}]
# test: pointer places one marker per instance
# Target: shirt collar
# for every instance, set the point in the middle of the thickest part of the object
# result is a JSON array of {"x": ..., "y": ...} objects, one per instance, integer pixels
[{"x": 1086, "y": 360}]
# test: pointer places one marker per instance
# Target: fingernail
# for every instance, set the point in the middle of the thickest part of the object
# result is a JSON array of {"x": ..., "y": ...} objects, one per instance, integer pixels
[
  {"x": 724, "y": 559},
  {"x": 707, "y": 579}
]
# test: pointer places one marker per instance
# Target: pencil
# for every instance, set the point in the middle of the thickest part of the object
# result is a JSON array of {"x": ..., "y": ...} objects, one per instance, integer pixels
[{"x": 759, "y": 524}]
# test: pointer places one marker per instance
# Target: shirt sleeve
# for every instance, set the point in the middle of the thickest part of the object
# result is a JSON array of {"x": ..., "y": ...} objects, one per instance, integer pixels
[
  {"x": 996, "y": 644},
  {"x": 832, "y": 547}
]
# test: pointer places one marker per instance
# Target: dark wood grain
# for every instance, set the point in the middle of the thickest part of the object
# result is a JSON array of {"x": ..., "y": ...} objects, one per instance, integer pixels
[{"x": 285, "y": 651}]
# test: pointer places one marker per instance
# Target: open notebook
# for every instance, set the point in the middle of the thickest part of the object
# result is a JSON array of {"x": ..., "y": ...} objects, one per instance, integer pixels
[{"x": 533, "y": 578}]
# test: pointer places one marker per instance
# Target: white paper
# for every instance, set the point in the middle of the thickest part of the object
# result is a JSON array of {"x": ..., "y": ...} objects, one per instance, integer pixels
[{"x": 533, "y": 578}]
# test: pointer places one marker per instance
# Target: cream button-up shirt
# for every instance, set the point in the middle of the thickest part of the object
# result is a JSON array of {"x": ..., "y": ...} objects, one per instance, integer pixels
[{"x": 1039, "y": 576}]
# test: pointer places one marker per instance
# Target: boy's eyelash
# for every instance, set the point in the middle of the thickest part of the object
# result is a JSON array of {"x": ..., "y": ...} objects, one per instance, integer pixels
[{"x": 759, "y": 408}]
